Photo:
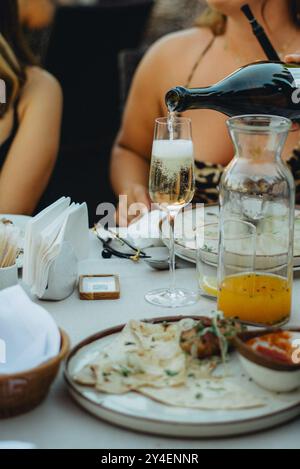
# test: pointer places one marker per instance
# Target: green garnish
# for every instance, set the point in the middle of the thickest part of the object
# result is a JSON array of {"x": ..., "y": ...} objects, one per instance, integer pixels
[
  {"x": 204, "y": 331},
  {"x": 171, "y": 373},
  {"x": 124, "y": 371},
  {"x": 222, "y": 339},
  {"x": 199, "y": 395}
]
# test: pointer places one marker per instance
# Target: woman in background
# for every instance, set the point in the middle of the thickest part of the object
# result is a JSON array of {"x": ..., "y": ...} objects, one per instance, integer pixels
[
  {"x": 221, "y": 43},
  {"x": 29, "y": 121},
  {"x": 36, "y": 17},
  {"x": 36, "y": 14}
]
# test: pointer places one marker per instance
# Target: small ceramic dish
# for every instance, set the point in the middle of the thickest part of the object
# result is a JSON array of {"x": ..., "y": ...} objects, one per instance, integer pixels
[
  {"x": 22, "y": 392},
  {"x": 269, "y": 373}
]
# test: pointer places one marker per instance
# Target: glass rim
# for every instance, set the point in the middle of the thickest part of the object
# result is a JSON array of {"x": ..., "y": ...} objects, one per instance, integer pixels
[
  {"x": 242, "y": 236},
  {"x": 230, "y": 237},
  {"x": 259, "y": 123},
  {"x": 178, "y": 120},
  {"x": 209, "y": 225}
]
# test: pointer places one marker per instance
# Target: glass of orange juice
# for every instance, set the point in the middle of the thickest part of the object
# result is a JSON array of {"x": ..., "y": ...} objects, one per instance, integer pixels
[{"x": 251, "y": 287}]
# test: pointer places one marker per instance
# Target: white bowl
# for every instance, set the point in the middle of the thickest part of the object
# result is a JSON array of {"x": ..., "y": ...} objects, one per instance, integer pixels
[
  {"x": 272, "y": 380},
  {"x": 270, "y": 374}
]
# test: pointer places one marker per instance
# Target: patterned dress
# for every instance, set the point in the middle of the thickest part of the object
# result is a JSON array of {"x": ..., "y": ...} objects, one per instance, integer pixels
[{"x": 208, "y": 178}]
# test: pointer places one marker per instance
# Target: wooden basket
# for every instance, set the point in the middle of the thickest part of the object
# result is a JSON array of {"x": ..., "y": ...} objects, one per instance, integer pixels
[{"x": 22, "y": 392}]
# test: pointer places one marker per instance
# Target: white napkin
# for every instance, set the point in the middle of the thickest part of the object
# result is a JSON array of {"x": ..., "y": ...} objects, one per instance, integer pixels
[
  {"x": 29, "y": 333},
  {"x": 48, "y": 245},
  {"x": 33, "y": 228},
  {"x": 145, "y": 232},
  {"x": 72, "y": 227},
  {"x": 76, "y": 230},
  {"x": 46, "y": 234}
]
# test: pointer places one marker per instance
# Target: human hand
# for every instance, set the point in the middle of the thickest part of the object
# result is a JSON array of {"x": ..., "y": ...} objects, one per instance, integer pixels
[
  {"x": 293, "y": 58},
  {"x": 133, "y": 204}
]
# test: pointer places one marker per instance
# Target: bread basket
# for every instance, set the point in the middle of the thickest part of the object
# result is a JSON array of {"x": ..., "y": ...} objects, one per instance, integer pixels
[{"x": 22, "y": 392}]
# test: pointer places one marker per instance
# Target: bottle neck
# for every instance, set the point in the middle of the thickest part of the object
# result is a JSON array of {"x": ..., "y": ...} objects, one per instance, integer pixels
[{"x": 181, "y": 99}]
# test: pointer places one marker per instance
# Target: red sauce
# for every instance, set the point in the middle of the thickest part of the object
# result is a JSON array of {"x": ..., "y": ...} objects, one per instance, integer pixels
[{"x": 276, "y": 346}]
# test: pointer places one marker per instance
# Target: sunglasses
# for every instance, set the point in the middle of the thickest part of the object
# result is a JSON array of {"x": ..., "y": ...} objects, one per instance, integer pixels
[{"x": 108, "y": 251}]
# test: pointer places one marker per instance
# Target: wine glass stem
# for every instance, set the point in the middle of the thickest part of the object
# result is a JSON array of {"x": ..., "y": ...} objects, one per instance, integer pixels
[{"x": 172, "y": 217}]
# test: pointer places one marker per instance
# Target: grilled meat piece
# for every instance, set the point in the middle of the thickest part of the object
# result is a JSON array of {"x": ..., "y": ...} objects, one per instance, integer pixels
[{"x": 204, "y": 339}]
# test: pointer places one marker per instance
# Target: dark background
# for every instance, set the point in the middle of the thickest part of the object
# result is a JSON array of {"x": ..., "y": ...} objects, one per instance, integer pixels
[{"x": 93, "y": 51}]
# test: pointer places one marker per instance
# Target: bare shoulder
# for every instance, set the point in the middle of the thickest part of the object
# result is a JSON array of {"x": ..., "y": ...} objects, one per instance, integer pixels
[
  {"x": 187, "y": 37},
  {"x": 186, "y": 42},
  {"x": 40, "y": 85},
  {"x": 174, "y": 56},
  {"x": 40, "y": 79}
]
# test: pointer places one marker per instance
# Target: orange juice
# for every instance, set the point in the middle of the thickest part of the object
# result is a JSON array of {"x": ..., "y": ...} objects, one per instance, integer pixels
[{"x": 262, "y": 299}]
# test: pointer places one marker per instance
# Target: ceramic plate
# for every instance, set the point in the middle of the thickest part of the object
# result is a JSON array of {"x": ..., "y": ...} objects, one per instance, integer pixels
[
  {"x": 142, "y": 414},
  {"x": 20, "y": 221},
  {"x": 190, "y": 219}
]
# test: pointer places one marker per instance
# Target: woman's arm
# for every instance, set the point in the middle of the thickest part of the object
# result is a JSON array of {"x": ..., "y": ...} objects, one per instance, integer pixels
[{"x": 32, "y": 156}]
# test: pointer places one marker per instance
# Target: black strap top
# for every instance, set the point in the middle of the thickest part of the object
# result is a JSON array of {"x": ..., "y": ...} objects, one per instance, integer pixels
[
  {"x": 5, "y": 147},
  {"x": 208, "y": 175}
]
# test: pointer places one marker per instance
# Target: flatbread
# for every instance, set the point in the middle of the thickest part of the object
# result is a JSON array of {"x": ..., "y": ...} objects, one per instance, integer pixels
[
  {"x": 142, "y": 355},
  {"x": 147, "y": 358},
  {"x": 205, "y": 394}
]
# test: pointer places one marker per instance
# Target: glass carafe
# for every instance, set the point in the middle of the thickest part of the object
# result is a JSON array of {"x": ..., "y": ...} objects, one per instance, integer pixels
[{"x": 257, "y": 210}]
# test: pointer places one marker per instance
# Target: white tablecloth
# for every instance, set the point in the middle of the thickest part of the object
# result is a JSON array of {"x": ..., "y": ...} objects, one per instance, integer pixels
[{"x": 60, "y": 423}]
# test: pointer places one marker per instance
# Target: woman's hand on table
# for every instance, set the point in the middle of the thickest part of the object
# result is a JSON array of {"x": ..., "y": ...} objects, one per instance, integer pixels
[
  {"x": 293, "y": 58},
  {"x": 137, "y": 202}
]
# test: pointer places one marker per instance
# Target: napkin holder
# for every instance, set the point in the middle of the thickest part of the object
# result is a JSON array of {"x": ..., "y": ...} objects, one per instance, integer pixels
[{"x": 63, "y": 275}]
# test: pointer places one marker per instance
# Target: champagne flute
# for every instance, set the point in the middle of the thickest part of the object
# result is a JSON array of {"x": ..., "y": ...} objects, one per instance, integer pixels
[{"x": 172, "y": 187}]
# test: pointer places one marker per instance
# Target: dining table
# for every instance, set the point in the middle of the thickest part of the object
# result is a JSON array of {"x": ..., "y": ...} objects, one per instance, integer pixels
[{"x": 59, "y": 423}]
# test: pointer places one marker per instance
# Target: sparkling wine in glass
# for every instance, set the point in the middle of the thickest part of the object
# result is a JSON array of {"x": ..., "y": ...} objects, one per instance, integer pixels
[{"x": 172, "y": 187}]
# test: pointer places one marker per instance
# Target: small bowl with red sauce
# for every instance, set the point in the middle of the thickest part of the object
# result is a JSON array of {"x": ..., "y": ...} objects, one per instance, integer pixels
[{"x": 271, "y": 358}]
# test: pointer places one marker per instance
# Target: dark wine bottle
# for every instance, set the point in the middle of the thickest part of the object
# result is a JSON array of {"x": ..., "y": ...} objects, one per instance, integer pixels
[{"x": 259, "y": 88}]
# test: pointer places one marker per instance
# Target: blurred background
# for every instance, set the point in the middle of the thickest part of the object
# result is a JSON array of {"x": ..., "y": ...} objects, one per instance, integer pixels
[{"x": 76, "y": 41}]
